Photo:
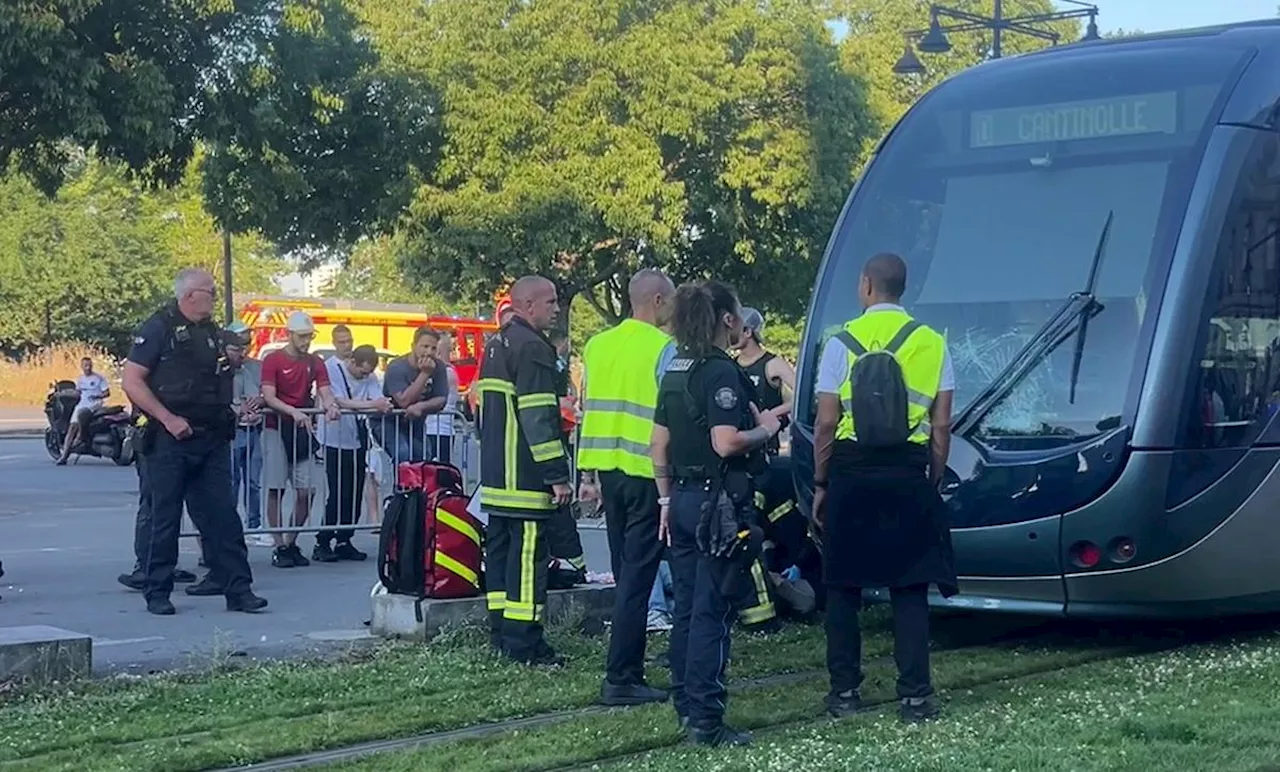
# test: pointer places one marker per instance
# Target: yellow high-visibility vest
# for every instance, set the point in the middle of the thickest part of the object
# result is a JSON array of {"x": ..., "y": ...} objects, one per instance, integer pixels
[
  {"x": 920, "y": 357},
  {"x": 621, "y": 396}
]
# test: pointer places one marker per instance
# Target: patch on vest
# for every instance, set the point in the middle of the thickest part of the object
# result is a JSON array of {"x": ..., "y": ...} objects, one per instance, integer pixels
[
  {"x": 755, "y": 380},
  {"x": 680, "y": 366},
  {"x": 139, "y": 340},
  {"x": 726, "y": 398}
]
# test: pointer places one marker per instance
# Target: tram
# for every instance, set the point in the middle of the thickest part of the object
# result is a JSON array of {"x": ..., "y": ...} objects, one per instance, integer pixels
[{"x": 1095, "y": 230}]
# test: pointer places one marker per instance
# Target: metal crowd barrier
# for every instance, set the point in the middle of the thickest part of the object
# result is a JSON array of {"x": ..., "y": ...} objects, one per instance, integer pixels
[{"x": 355, "y": 484}]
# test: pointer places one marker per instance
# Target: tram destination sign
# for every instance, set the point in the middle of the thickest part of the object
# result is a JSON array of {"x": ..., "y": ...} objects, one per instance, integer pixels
[{"x": 1155, "y": 113}]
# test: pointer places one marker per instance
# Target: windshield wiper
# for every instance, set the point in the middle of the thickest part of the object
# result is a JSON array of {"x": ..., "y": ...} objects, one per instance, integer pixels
[{"x": 1079, "y": 307}]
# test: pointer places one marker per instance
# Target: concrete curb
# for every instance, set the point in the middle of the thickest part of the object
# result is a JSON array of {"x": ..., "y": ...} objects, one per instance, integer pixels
[{"x": 21, "y": 434}]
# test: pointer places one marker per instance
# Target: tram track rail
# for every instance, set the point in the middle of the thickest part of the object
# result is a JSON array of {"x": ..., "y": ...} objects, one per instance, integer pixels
[{"x": 1030, "y": 632}]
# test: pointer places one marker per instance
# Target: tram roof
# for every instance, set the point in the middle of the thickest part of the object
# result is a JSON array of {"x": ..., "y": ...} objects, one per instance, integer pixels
[{"x": 1263, "y": 33}]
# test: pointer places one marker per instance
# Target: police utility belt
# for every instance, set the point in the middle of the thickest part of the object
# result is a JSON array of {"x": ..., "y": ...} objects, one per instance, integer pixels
[{"x": 722, "y": 532}]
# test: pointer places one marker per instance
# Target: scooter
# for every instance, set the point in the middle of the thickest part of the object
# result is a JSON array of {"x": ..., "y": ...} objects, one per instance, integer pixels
[{"x": 106, "y": 433}]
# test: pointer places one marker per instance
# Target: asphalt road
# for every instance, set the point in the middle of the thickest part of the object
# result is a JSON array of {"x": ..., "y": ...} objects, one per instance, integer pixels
[{"x": 67, "y": 532}]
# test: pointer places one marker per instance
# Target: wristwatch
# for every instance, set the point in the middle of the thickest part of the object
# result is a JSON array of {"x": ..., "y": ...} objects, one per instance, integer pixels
[
  {"x": 664, "y": 501},
  {"x": 820, "y": 484}
]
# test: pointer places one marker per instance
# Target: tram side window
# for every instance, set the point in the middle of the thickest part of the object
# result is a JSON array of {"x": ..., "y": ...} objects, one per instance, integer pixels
[{"x": 1237, "y": 383}]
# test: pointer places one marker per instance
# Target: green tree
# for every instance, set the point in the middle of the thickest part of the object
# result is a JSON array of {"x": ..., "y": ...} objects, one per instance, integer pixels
[
  {"x": 90, "y": 263},
  {"x": 118, "y": 75},
  {"x": 310, "y": 141},
  {"x": 372, "y": 272},
  {"x": 876, "y": 41},
  {"x": 585, "y": 138}
]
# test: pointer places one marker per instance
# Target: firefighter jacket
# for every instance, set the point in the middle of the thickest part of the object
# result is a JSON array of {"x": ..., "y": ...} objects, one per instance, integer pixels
[{"x": 522, "y": 444}]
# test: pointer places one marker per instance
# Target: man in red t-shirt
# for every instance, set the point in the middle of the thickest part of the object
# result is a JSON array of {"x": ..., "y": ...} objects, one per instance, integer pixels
[{"x": 288, "y": 445}]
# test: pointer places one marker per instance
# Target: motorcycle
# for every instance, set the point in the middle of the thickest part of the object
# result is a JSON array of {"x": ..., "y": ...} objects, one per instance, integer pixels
[{"x": 106, "y": 433}]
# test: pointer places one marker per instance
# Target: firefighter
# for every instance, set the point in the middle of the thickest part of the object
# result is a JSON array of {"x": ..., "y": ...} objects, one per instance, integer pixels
[
  {"x": 708, "y": 441},
  {"x": 623, "y": 367},
  {"x": 524, "y": 469}
]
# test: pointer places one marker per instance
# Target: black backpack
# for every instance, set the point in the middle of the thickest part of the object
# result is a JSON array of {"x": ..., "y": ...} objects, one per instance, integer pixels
[{"x": 879, "y": 406}]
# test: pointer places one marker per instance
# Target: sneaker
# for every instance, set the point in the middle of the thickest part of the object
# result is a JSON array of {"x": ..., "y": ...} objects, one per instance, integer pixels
[
  {"x": 246, "y": 602},
  {"x": 717, "y": 735},
  {"x": 843, "y": 704},
  {"x": 161, "y": 607},
  {"x": 184, "y": 577},
  {"x": 282, "y": 557},
  {"x": 344, "y": 550},
  {"x": 323, "y": 553},
  {"x": 134, "y": 581},
  {"x": 659, "y": 621},
  {"x": 298, "y": 559},
  {"x": 916, "y": 709}
]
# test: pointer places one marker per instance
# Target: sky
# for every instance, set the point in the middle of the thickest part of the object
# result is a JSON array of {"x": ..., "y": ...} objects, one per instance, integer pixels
[{"x": 1160, "y": 15}]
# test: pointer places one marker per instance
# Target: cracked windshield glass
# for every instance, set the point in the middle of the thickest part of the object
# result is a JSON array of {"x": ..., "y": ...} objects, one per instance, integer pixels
[{"x": 998, "y": 201}]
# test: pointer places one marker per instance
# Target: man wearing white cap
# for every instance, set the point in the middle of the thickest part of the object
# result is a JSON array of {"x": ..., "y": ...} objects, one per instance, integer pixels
[{"x": 289, "y": 447}]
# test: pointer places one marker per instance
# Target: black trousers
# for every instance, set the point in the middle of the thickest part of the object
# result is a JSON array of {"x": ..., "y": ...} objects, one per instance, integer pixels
[
  {"x": 910, "y": 639},
  {"x": 195, "y": 471},
  {"x": 704, "y": 616},
  {"x": 515, "y": 560},
  {"x": 563, "y": 540},
  {"x": 345, "y": 472},
  {"x": 142, "y": 522},
  {"x": 631, "y": 519}
]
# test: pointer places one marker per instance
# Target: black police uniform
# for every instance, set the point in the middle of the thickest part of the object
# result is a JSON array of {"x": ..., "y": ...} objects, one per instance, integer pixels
[
  {"x": 136, "y": 579},
  {"x": 189, "y": 374},
  {"x": 697, "y": 394}
]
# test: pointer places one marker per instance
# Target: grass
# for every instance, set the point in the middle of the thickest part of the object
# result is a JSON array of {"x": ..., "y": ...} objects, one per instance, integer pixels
[
  {"x": 197, "y": 721},
  {"x": 597, "y": 737},
  {"x": 1213, "y": 706},
  {"x": 25, "y": 383}
]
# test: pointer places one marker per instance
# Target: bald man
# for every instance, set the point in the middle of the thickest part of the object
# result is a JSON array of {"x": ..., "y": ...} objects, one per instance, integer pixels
[
  {"x": 623, "y": 368},
  {"x": 524, "y": 469},
  {"x": 883, "y": 521}
]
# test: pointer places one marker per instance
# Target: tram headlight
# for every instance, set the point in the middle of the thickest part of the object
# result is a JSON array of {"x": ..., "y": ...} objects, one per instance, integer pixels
[{"x": 1122, "y": 549}]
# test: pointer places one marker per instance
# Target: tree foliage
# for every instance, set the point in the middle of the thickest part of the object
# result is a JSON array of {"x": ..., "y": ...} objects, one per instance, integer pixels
[
  {"x": 90, "y": 263},
  {"x": 372, "y": 273},
  {"x": 311, "y": 141},
  {"x": 875, "y": 41},
  {"x": 584, "y": 138},
  {"x": 118, "y": 75}
]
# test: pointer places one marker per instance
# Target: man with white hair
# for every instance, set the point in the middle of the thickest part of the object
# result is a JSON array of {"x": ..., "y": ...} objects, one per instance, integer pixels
[
  {"x": 289, "y": 447},
  {"x": 179, "y": 378}
]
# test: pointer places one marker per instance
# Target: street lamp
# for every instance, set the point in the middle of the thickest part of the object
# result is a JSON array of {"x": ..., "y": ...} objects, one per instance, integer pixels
[{"x": 934, "y": 40}]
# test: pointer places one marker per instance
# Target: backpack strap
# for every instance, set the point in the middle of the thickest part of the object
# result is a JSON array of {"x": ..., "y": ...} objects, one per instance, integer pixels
[
  {"x": 904, "y": 333},
  {"x": 851, "y": 343}
]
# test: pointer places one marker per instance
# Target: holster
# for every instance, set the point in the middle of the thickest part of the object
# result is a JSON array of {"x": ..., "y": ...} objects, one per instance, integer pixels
[{"x": 144, "y": 433}]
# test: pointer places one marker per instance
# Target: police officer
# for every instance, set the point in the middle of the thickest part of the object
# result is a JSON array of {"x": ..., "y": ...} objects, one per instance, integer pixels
[
  {"x": 876, "y": 477},
  {"x": 623, "y": 368},
  {"x": 524, "y": 469},
  {"x": 708, "y": 440},
  {"x": 177, "y": 374}
]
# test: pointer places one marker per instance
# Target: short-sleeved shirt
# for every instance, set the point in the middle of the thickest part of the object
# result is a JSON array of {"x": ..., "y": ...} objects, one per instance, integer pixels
[
  {"x": 93, "y": 390},
  {"x": 293, "y": 379},
  {"x": 833, "y": 367},
  {"x": 344, "y": 433},
  {"x": 400, "y": 373}
]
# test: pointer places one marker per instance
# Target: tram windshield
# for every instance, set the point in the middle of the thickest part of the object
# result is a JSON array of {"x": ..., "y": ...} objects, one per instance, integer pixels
[{"x": 995, "y": 191}]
